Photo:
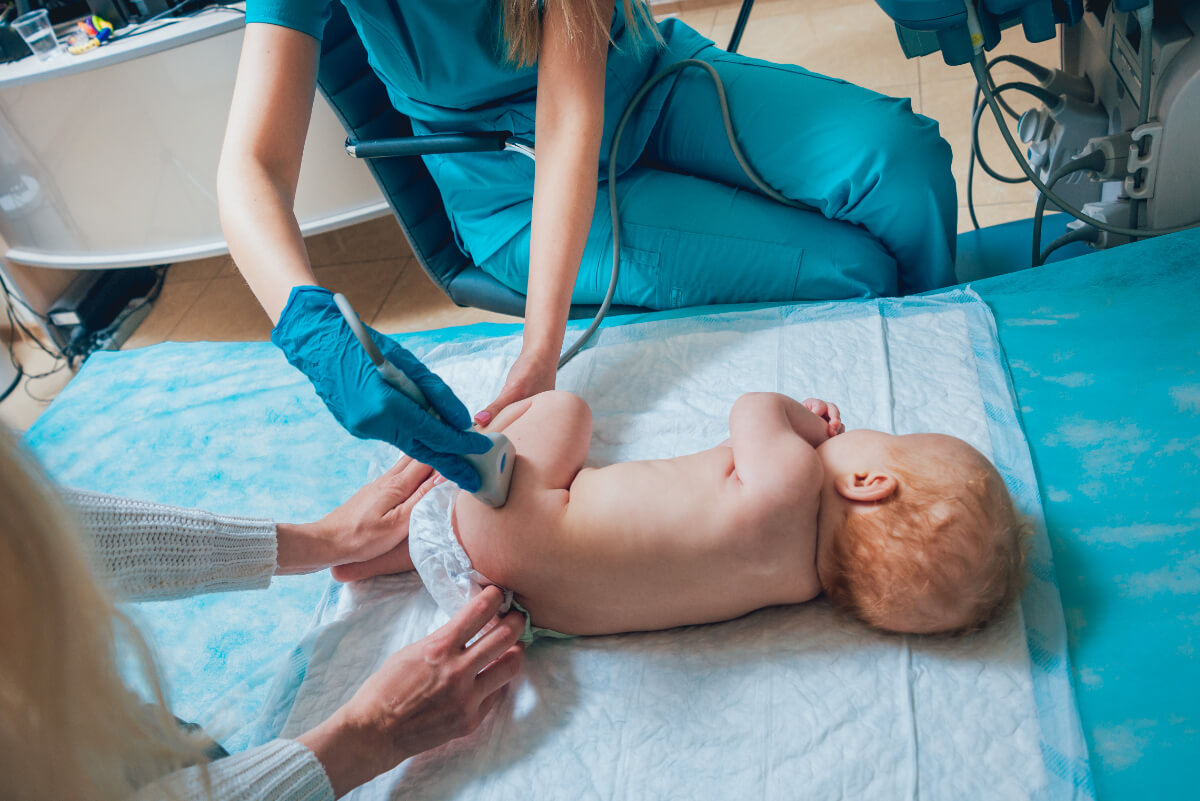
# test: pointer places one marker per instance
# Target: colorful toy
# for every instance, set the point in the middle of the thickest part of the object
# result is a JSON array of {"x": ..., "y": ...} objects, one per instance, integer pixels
[
  {"x": 104, "y": 29},
  {"x": 90, "y": 35}
]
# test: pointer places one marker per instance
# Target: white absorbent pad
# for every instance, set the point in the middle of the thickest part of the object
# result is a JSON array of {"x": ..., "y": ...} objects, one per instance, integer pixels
[{"x": 795, "y": 702}]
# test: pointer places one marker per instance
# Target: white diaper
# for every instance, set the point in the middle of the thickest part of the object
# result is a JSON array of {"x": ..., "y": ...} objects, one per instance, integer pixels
[
  {"x": 439, "y": 557},
  {"x": 444, "y": 566}
]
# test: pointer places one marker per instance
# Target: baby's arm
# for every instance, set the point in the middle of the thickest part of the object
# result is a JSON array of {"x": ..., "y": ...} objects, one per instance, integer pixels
[{"x": 774, "y": 439}]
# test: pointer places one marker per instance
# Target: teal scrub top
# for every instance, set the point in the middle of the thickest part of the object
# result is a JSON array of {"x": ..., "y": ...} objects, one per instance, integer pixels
[{"x": 442, "y": 64}]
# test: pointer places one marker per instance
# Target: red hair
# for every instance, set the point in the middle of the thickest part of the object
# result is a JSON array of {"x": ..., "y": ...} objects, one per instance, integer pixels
[{"x": 937, "y": 556}]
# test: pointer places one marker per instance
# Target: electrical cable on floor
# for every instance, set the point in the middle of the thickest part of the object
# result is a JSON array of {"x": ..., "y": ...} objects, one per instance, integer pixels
[
  {"x": 78, "y": 351},
  {"x": 11, "y": 388},
  {"x": 19, "y": 329},
  {"x": 6, "y": 391},
  {"x": 75, "y": 353},
  {"x": 12, "y": 297},
  {"x": 18, "y": 326}
]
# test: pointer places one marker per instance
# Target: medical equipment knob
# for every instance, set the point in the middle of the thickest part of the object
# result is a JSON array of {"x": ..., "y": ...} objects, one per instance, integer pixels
[{"x": 1035, "y": 124}]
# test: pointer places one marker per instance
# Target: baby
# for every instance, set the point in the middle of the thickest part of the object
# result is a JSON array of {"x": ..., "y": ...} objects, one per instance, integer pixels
[{"x": 910, "y": 533}]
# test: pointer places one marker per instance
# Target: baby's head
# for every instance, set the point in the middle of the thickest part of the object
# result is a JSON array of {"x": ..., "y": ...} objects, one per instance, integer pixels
[{"x": 916, "y": 533}]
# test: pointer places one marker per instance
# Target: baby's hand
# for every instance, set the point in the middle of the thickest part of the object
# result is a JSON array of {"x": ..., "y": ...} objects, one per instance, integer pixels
[{"x": 827, "y": 412}]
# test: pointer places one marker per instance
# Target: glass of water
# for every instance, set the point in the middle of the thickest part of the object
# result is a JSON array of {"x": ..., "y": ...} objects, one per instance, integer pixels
[{"x": 37, "y": 32}]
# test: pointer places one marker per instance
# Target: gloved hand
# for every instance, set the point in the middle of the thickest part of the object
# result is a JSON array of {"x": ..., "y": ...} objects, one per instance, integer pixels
[{"x": 316, "y": 339}]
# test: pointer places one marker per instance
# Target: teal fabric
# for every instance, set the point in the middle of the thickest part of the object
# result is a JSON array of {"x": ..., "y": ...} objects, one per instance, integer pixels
[
  {"x": 533, "y": 633},
  {"x": 878, "y": 174},
  {"x": 306, "y": 16},
  {"x": 691, "y": 233},
  {"x": 441, "y": 63},
  {"x": 1104, "y": 353}
]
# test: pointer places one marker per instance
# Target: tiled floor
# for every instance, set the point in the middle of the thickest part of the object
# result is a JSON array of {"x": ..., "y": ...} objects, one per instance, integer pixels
[{"x": 373, "y": 266}]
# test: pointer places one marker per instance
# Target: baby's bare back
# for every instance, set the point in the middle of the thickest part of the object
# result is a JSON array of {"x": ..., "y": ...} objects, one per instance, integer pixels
[{"x": 643, "y": 545}]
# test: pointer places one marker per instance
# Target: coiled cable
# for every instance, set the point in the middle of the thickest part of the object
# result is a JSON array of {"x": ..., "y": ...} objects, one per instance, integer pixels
[
  {"x": 614, "y": 151},
  {"x": 978, "y": 65}
]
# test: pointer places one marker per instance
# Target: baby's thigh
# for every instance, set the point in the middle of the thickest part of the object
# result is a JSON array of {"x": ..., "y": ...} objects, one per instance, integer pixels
[{"x": 551, "y": 433}]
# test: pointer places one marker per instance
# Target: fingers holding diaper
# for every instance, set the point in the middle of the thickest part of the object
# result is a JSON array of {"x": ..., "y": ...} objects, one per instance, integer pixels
[
  {"x": 497, "y": 640},
  {"x": 368, "y": 533},
  {"x": 476, "y": 614},
  {"x": 497, "y": 675},
  {"x": 407, "y": 487}
]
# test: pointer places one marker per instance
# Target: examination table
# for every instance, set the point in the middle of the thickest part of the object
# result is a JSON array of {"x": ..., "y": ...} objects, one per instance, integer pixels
[{"x": 1104, "y": 355}]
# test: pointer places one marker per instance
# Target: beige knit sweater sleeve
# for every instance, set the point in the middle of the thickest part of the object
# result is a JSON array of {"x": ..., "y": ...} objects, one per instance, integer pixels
[
  {"x": 150, "y": 551},
  {"x": 281, "y": 770}
]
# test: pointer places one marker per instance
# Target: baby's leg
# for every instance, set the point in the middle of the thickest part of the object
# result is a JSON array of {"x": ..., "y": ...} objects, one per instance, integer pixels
[{"x": 551, "y": 432}]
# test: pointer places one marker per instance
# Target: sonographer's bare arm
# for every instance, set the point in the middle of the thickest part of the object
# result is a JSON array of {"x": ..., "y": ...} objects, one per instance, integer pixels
[
  {"x": 570, "y": 124},
  {"x": 260, "y": 161}
]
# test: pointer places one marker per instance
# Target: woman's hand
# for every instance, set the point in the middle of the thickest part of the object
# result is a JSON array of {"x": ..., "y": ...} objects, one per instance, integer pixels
[
  {"x": 530, "y": 374},
  {"x": 365, "y": 536},
  {"x": 570, "y": 126},
  {"x": 317, "y": 340},
  {"x": 431, "y": 692}
]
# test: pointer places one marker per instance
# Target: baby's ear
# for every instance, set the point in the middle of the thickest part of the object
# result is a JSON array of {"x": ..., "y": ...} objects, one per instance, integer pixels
[{"x": 866, "y": 486}]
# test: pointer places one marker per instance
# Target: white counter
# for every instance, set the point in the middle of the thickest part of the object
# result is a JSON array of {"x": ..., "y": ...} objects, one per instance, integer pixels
[{"x": 109, "y": 159}]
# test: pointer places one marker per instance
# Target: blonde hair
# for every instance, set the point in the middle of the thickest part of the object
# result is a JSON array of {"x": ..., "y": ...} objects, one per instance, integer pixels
[
  {"x": 521, "y": 24},
  {"x": 935, "y": 556},
  {"x": 70, "y": 728}
]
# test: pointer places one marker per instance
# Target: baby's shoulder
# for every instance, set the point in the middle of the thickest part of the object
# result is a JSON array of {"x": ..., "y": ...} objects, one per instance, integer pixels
[{"x": 796, "y": 476}]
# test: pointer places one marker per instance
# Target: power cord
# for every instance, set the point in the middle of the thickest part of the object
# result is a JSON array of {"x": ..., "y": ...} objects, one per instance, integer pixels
[
  {"x": 982, "y": 79},
  {"x": 614, "y": 151},
  {"x": 1017, "y": 86},
  {"x": 1081, "y": 234},
  {"x": 19, "y": 329},
  {"x": 1093, "y": 161},
  {"x": 164, "y": 20},
  {"x": 1039, "y": 73},
  {"x": 77, "y": 350}
]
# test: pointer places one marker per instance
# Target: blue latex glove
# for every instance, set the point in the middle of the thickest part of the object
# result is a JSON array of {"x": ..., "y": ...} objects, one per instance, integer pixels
[{"x": 316, "y": 339}]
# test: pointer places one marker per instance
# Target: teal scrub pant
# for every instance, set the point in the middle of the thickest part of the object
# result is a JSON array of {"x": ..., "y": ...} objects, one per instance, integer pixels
[{"x": 695, "y": 231}]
